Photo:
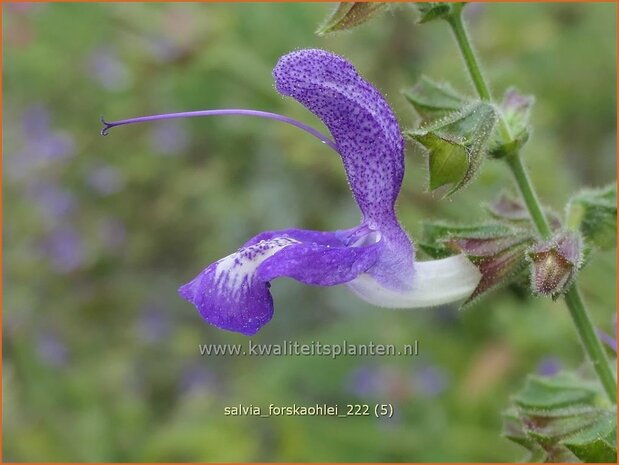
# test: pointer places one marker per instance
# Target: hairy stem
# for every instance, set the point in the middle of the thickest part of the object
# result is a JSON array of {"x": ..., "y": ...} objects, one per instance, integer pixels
[
  {"x": 529, "y": 195},
  {"x": 470, "y": 60},
  {"x": 591, "y": 341},
  {"x": 573, "y": 299}
]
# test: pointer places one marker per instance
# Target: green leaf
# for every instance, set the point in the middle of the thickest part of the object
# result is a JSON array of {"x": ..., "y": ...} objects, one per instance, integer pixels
[
  {"x": 455, "y": 145},
  {"x": 514, "y": 430},
  {"x": 562, "y": 419},
  {"x": 552, "y": 393},
  {"x": 433, "y": 100},
  {"x": 350, "y": 14},
  {"x": 594, "y": 213},
  {"x": 596, "y": 443}
]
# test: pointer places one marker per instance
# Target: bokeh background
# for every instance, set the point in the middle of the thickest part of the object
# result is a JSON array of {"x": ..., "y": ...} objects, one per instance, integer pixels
[{"x": 101, "y": 359}]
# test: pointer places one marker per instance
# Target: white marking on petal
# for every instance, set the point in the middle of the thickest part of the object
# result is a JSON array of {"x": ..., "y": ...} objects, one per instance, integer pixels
[
  {"x": 237, "y": 270},
  {"x": 435, "y": 282},
  {"x": 370, "y": 238}
]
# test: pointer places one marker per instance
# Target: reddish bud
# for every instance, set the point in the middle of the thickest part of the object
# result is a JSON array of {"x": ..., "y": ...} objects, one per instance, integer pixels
[
  {"x": 498, "y": 258},
  {"x": 554, "y": 263}
]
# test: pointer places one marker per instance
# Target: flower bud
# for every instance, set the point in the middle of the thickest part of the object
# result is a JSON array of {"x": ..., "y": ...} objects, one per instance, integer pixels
[
  {"x": 516, "y": 109},
  {"x": 554, "y": 263}
]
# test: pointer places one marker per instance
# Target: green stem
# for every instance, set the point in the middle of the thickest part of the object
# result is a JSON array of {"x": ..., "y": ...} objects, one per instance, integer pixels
[
  {"x": 464, "y": 43},
  {"x": 573, "y": 300},
  {"x": 580, "y": 316},
  {"x": 528, "y": 194}
]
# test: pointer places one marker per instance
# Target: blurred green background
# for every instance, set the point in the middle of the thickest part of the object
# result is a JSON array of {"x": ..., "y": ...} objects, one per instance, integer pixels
[{"x": 101, "y": 359}]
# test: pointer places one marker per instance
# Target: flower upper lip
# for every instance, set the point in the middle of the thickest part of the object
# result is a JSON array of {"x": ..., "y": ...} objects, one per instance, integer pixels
[{"x": 366, "y": 132}]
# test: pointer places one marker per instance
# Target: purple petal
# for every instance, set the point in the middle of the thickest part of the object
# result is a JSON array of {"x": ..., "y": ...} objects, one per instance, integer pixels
[
  {"x": 320, "y": 265},
  {"x": 233, "y": 293},
  {"x": 327, "y": 238},
  {"x": 369, "y": 141},
  {"x": 365, "y": 130}
]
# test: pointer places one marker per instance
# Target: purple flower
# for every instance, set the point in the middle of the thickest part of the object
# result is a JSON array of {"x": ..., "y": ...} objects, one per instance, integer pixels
[
  {"x": 52, "y": 349},
  {"x": 57, "y": 146},
  {"x": 106, "y": 180},
  {"x": 107, "y": 68},
  {"x": 55, "y": 202},
  {"x": 42, "y": 145},
  {"x": 375, "y": 259},
  {"x": 366, "y": 381},
  {"x": 65, "y": 249},
  {"x": 431, "y": 380},
  {"x": 36, "y": 121},
  {"x": 549, "y": 366}
]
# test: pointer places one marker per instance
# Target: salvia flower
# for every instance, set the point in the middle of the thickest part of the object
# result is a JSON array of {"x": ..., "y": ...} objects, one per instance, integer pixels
[{"x": 375, "y": 259}]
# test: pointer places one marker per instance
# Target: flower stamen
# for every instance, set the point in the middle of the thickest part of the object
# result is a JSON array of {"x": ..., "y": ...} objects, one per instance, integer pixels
[{"x": 228, "y": 111}]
